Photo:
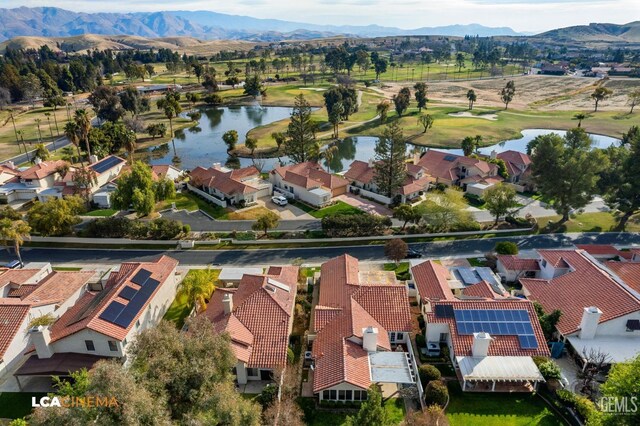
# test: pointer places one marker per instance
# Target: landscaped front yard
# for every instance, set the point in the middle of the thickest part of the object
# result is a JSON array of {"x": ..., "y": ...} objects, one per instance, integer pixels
[
  {"x": 401, "y": 270},
  {"x": 191, "y": 202},
  {"x": 340, "y": 207},
  {"x": 249, "y": 214},
  {"x": 181, "y": 306},
  {"x": 489, "y": 409}
]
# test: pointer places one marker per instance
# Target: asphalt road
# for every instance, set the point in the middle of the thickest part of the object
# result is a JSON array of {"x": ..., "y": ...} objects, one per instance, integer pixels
[{"x": 314, "y": 255}]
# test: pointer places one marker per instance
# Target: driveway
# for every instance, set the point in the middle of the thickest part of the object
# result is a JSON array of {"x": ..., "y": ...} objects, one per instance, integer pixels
[
  {"x": 365, "y": 205},
  {"x": 287, "y": 212}
]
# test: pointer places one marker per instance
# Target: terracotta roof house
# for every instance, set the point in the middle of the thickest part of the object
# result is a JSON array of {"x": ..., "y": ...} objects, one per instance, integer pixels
[
  {"x": 431, "y": 282},
  {"x": 490, "y": 342},
  {"x": 600, "y": 310},
  {"x": 606, "y": 251},
  {"x": 225, "y": 186},
  {"x": 361, "y": 328},
  {"x": 27, "y": 184},
  {"x": 511, "y": 268},
  {"x": 39, "y": 292},
  {"x": 362, "y": 175},
  {"x": 103, "y": 321},
  {"x": 8, "y": 171},
  {"x": 258, "y": 315},
  {"x": 106, "y": 170},
  {"x": 451, "y": 169},
  {"x": 308, "y": 182},
  {"x": 518, "y": 166}
]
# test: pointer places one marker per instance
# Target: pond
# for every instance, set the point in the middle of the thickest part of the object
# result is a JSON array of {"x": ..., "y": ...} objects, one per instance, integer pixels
[{"x": 202, "y": 144}]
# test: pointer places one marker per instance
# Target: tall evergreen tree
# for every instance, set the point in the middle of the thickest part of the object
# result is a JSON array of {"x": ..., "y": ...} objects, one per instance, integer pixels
[
  {"x": 421, "y": 95},
  {"x": 300, "y": 144},
  {"x": 566, "y": 170},
  {"x": 390, "y": 160}
]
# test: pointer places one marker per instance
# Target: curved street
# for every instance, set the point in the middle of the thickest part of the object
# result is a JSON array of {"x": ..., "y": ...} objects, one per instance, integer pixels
[{"x": 314, "y": 255}]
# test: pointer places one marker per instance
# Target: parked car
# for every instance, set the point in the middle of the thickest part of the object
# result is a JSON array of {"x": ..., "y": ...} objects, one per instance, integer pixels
[
  {"x": 279, "y": 200},
  {"x": 433, "y": 349},
  {"x": 412, "y": 254},
  {"x": 14, "y": 264}
]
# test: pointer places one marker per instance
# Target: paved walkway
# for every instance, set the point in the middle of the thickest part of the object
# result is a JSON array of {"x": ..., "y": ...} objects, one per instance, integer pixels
[{"x": 365, "y": 205}]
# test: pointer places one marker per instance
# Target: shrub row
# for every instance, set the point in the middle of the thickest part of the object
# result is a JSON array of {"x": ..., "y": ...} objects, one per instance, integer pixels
[
  {"x": 121, "y": 227},
  {"x": 584, "y": 406},
  {"x": 357, "y": 225}
]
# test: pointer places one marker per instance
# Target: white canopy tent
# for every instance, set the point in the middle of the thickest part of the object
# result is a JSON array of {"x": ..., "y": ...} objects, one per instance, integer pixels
[{"x": 498, "y": 369}]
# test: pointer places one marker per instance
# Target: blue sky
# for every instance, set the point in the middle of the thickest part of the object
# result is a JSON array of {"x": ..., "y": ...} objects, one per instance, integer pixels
[{"x": 521, "y": 15}]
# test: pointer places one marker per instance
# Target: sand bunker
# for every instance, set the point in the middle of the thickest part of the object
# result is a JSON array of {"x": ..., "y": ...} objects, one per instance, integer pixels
[{"x": 467, "y": 114}]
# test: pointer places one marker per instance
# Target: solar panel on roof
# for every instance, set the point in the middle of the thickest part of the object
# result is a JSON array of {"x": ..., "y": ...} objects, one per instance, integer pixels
[
  {"x": 528, "y": 342},
  {"x": 449, "y": 157},
  {"x": 132, "y": 309},
  {"x": 506, "y": 322},
  {"x": 141, "y": 277},
  {"x": 468, "y": 276},
  {"x": 444, "y": 311},
  {"x": 128, "y": 292},
  {"x": 105, "y": 164},
  {"x": 112, "y": 311}
]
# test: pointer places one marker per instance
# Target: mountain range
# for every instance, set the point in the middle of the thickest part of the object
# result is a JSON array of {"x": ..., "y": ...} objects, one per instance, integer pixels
[{"x": 56, "y": 22}]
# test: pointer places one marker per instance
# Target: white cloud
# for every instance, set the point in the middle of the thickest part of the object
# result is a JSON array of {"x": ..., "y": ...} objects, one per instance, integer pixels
[{"x": 522, "y": 15}]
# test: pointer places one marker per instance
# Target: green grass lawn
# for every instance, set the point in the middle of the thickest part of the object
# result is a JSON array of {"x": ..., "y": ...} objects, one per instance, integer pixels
[
  {"x": 191, "y": 202},
  {"x": 401, "y": 270},
  {"x": 394, "y": 408},
  {"x": 587, "y": 222},
  {"x": 101, "y": 213},
  {"x": 488, "y": 409},
  {"x": 180, "y": 308},
  {"x": 339, "y": 207},
  {"x": 15, "y": 405},
  {"x": 66, "y": 269},
  {"x": 473, "y": 261}
]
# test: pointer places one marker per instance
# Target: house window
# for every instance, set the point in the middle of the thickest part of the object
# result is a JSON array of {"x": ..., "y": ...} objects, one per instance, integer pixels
[
  {"x": 89, "y": 344},
  {"x": 392, "y": 337},
  {"x": 544, "y": 263},
  {"x": 124, "y": 343},
  {"x": 349, "y": 396},
  {"x": 325, "y": 394},
  {"x": 399, "y": 336},
  {"x": 253, "y": 372},
  {"x": 113, "y": 347},
  {"x": 342, "y": 395},
  {"x": 334, "y": 394},
  {"x": 137, "y": 323}
]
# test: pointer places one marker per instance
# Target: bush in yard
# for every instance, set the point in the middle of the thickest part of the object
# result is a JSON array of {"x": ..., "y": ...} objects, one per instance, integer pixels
[
  {"x": 428, "y": 373},
  {"x": 186, "y": 229},
  {"x": 506, "y": 247},
  {"x": 421, "y": 342},
  {"x": 436, "y": 393},
  {"x": 268, "y": 395},
  {"x": 583, "y": 405},
  {"x": 108, "y": 227},
  {"x": 164, "y": 229},
  {"x": 550, "y": 370},
  {"x": 357, "y": 225},
  {"x": 290, "y": 356},
  {"x": 396, "y": 250}
]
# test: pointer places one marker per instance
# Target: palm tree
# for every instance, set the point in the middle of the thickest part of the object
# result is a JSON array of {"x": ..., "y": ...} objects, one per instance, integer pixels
[
  {"x": 198, "y": 286},
  {"x": 130, "y": 144},
  {"x": 71, "y": 132},
  {"x": 24, "y": 145},
  {"x": 580, "y": 116},
  {"x": 83, "y": 121},
  {"x": 472, "y": 97},
  {"x": 16, "y": 231},
  {"x": 328, "y": 155}
]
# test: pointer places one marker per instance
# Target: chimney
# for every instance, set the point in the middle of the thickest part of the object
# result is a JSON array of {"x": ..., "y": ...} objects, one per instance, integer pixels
[
  {"x": 216, "y": 166},
  {"x": 93, "y": 159},
  {"x": 494, "y": 154},
  {"x": 481, "y": 343},
  {"x": 370, "y": 162},
  {"x": 416, "y": 157},
  {"x": 37, "y": 160},
  {"x": 227, "y": 302},
  {"x": 40, "y": 337},
  {"x": 370, "y": 339},
  {"x": 589, "y": 324},
  {"x": 10, "y": 164}
]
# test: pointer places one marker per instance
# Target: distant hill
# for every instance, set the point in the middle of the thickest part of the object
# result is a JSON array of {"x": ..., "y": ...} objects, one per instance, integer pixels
[
  {"x": 86, "y": 42},
  {"x": 627, "y": 33},
  {"x": 55, "y": 22}
]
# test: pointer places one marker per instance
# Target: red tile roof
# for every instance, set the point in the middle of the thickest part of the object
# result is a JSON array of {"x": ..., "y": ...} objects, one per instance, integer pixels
[
  {"x": 514, "y": 263},
  {"x": 42, "y": 170},
  {"x": 12, "y": 315},
  {"x": 17, "y": 276},
  {"x": 85, "y": 313},
  {"x": 360, "y": 171},
  {"x": 310, "y": 175},
  {"x": 431, "y": 281},
  {"x": 586, "y": 285},
  {"x": 261, "y": 317},
  {"x": 500, "y": 345},
  {"x": 436, "y": 166},
  {"x": 228, "y": 182},
  {"x": 514, "y": 157},
  {"x": 346, "y": 306},
  {"x": 482, "y": 289},
  {"x": 601, "y": 250},
  {"x": 58, "y": 287},
  {"x": 629, "y": 272}
]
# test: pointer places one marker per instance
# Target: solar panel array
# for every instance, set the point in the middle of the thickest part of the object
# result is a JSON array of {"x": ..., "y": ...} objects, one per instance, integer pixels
[
  {"x": 468, "y": 276},
  {"x": 123, "y": 315},
  {"x": 506, "y": 322},
  {"x": 105, "y": 164},
  {"x": 486, "y": 275},
  {"x": 449, "y": 157},
  {"x": 444, "y": 311}
]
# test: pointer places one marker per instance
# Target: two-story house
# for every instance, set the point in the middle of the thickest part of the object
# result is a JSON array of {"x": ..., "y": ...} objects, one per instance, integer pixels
[
  {"x": 27, "y": 184},
  {"x": 308, "y": 182}
]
